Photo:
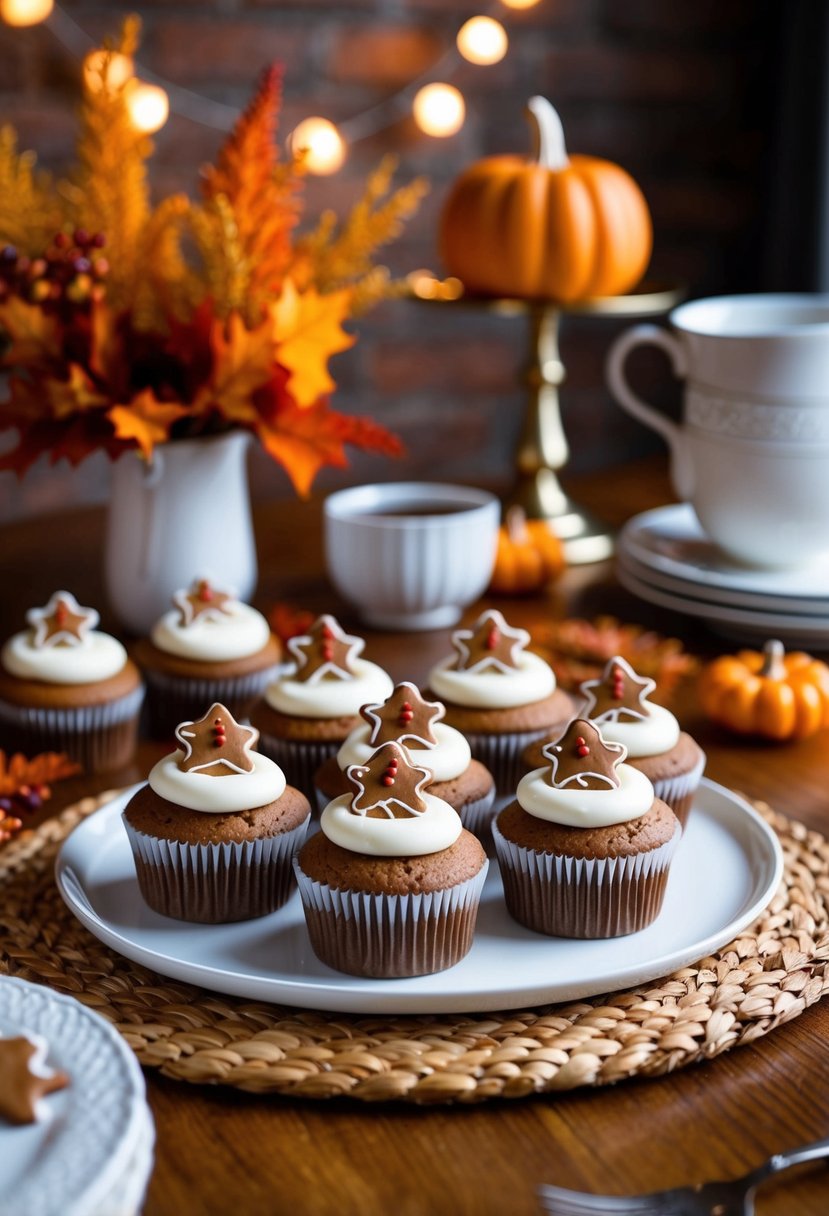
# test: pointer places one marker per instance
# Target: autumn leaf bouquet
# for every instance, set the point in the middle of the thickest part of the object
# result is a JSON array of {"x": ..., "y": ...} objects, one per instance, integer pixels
[{"x": 124, "y": 323}]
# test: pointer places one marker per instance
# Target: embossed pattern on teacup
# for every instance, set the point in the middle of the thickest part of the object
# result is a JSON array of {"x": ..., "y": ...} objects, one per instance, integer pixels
[{"x": 756, "y": 420}]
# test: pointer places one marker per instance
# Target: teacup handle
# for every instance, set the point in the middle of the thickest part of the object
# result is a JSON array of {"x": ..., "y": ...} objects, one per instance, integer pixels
[{"x": 681, "y": 469}]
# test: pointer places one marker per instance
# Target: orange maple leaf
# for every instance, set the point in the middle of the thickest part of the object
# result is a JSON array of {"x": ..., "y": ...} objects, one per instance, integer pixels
[
  {"x": 243, "y": 363},
  {"x": 309, "y": 330},
  {"x": 33, "y": 334},
  {"x": 73, "y": 396},
  {"x": 19, "y": 770},
  {"x": 145, "y": 419}
]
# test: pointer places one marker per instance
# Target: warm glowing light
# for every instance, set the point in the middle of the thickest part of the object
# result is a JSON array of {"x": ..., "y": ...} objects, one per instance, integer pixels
[
  {"x": 519, "y": 3},
  {"x": 482, "y": 40},
  {"x": 106, "y": 69},
  {"x": 439, "y": 109},
  {"x": 425, "y": 285},
  {"x": 25, "y": 12},
  {"x": 321, "y": 143},
  {"x": 148, "y": 107}
]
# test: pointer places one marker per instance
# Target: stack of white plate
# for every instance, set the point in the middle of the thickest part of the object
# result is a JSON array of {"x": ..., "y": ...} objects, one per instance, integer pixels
[
  {"x": 664, "y": 556},
  {"x": 91, "y": 1151}
]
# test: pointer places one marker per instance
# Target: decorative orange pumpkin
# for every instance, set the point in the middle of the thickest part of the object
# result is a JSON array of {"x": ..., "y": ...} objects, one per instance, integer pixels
[
  {"x": 529, "y": 554},
  {"x": 772, "y": 694},
  {"x": 557, "y": 227}
]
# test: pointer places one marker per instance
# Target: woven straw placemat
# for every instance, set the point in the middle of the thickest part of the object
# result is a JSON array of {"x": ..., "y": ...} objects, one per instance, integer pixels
[{"x": 766, "y": 977}]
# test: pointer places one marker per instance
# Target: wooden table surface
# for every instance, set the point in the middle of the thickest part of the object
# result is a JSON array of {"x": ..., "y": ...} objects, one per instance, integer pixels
[{"x": 227, "y": 1152}]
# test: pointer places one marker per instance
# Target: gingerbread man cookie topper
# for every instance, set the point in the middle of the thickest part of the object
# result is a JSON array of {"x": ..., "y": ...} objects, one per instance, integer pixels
[
  {"x": 582, "y": 757},
  {"x": 404, "y": 717},
  {"x": 202, "y": 602},
  {"x": 490, "y": 645},
  {"x": 618, "y": 695},
  {"x": 326, "y": 650},
  {"x": 216, "y": 745},
  {"x": 63, "y": 622},
  {"x": 389, "y": 785},
  {"x": 23, "y": 1078}
]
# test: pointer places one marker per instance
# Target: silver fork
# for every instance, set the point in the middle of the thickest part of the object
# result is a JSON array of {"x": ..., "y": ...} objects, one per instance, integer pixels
[{"x": 706, "y": 1199}]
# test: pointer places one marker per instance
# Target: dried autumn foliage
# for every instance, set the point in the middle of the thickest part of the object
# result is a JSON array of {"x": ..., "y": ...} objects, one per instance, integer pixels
[
  {"x": 18, "y": 771},
  {"x": 125, "y": 323}
]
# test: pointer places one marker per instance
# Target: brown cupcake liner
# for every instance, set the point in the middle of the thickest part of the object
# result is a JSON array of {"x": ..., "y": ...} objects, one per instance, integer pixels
[
  {"x": 216, "y": 883},
  {"x": 501, "y": 754},
  {"x": 98, "y": 737},
  {"x": 390, "y": 936},
  {"x": 477, "y": 816},
  {"x": 300, "y": 761},
  {"x": 174, "y": 699},
  {"x": 679, "y": 791},
  {"x": 583, "y": 898}
]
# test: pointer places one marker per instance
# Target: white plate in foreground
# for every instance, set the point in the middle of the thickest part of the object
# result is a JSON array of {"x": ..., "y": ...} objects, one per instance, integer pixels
[{"x": 725, "y": 872}]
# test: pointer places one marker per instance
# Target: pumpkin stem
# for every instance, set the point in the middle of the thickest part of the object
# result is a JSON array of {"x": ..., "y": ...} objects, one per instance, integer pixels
[
  {"x": 515, "y": 521},
  {"x": 773, "y": 666},
  {"x": 550, "y": 151}
]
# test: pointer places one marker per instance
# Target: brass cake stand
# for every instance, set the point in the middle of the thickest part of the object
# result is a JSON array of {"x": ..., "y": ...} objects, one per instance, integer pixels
[{"x": 542, "y": 447}]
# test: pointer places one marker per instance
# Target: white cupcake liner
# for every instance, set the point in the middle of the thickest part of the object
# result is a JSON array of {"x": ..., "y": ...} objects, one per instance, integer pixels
[
  {"x": 501, "y": 754},
  {"x": 173, "y": 699},
  {"x": 299, "y": 761},
  {"x": 216, "y": 883},
  {"x": 679, "y": 791},
  {"x": 564, "y": 896},
  {"x": 96, "y": 736},
  {"x": 390, "y": 936}
]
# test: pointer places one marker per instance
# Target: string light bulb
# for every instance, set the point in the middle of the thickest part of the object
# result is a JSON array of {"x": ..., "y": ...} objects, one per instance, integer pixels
[
  {"x": 321, "y": 144},
  {"x": 439, "y": 109},
  {"x": 519, "y": 3},
  {"x": 106, "y": 70},
  {"x": 482, "y": 40},
  {"x": 148, "y": 107},
  {"x": 25, "y": 12}
]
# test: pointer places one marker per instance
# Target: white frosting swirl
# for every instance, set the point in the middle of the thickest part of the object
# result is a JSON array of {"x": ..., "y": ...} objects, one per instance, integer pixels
[
  {"x": 218, "y": 795},
  {"x": 97, "y": 657},
  {"x": 580, "y": 808},
  {"x": 446, "y": 760},
  {"x": 330, "y": 697},
  {"x": 651, "y": 736},
  {"x": 438, "y": 827},
  {"x": 532, "y": 680},
  {"x": 235, "y": 633}
]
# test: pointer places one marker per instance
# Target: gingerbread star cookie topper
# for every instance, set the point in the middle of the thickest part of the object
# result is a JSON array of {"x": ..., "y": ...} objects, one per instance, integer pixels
[
  {"x": 216, "y": 745},
  {"x": 404, "y": 717},
  {"x": 490, "y": 645},
  {"x": 21, "y": 1081},
  {"x": 63, "y": 622},
  {"x": 326, "y": 650},
  {"x": 582, "y": 757},
  {"x": 202, "y": 602},
  {"x": 618, "y": 695},
  {"x": 389, "y": 785}
]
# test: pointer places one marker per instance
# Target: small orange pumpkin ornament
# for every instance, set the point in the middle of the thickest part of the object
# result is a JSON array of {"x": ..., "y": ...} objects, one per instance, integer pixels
[
  {"x": 771, "y": 694},
  {"x": 529, "y": 554},
  {"x": 557, "y": 227}
]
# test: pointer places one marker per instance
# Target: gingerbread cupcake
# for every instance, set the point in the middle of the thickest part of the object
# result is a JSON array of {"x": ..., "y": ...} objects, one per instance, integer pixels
[
  {"x": 208, "y": 647},
  {"x": 391, "y": 884},
  {"x": 499, "y": 695},
  {"x": 406, "y": 718},
  {"x": 307, "y": 713},
  {"x": 215, "y": 828},
  {"x": 66, "y": 687},
  {"x": 586, "y": 847}
]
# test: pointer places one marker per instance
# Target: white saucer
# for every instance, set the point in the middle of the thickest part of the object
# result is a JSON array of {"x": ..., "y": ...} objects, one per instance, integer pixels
[
  {"x": 90, "y": 1154},
  {"x": 670, "y": 541},
  {"x": 508, "y": 967},
  {"x": 743, "y": 624}
]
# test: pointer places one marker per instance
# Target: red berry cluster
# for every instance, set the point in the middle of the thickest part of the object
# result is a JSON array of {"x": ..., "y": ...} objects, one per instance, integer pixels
[
  {"x": 26, "y": 798},
  {"x": 219, "y": 733},
  {"x": 406, "y": 714},
  {"x": 390, "y": 774},
  {"x": 69, "y": 274}
]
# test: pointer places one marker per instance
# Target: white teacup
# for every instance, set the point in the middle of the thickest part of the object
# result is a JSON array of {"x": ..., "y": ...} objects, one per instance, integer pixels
[
  {"x": 411, "y": 555},
  {"x": 752, "y": 453}
]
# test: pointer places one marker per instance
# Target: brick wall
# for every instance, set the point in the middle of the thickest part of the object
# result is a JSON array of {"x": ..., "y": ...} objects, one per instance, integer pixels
[{"x": 678, "y": 91}]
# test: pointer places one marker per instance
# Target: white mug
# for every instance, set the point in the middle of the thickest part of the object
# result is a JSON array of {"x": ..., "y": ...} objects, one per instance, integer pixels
[{"x": 752, "y": 452}]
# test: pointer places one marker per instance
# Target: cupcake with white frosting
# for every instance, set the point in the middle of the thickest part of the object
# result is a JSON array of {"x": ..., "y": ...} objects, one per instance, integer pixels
[
  {"x": 307, "y": 713},
  {"x": 391, "y": 884},
  {"x": 405, "y": 717},
  {"x": 586, "y": 846},
  {"x": 207, "y": 647},
  {"x": 499, "y": 694},
  {"x": 66, "y": 686},
  {"x": 618, "y": 702},
  {"x": 214, "y": 830}
]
